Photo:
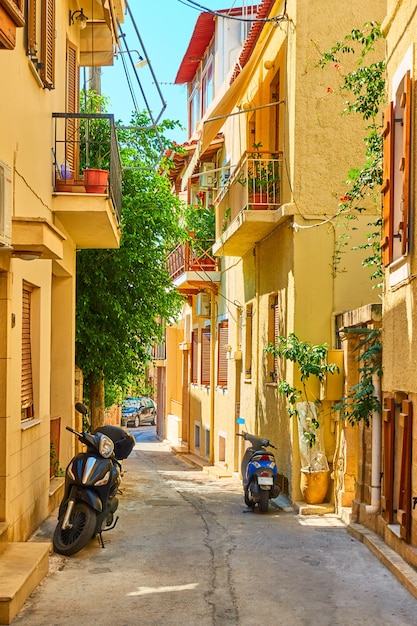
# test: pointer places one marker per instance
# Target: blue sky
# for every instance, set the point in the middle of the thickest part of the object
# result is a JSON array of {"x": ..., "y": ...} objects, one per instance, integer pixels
[{"x": 165, "y": 27}]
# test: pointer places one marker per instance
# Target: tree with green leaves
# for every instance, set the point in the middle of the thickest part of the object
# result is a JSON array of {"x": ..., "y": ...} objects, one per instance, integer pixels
[{"x": 123, "y": 294}]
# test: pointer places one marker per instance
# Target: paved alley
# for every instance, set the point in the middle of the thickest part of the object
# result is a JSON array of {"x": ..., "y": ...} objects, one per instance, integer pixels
[{"x": 187, "y": 552}]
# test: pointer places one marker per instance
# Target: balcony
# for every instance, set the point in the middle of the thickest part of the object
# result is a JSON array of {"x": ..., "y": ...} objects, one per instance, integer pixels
[
  {"x": 84, "y": 145},
  {"x": 249, "y": 206},
  {"x": 191, "y": 267}
]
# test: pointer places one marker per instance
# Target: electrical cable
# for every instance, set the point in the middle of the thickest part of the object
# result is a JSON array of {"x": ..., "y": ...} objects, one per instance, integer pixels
[{"x": 199, "y": 7}]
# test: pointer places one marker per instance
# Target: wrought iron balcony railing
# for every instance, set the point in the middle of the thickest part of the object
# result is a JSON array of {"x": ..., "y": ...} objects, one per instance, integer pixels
[
  {"x": 85, "y": 142},
  {"x": 255, "y": 184}
]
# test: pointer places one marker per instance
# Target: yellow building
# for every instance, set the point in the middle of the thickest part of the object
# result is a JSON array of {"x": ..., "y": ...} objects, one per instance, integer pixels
[
  {"x": 270, "y": 150},
  {"x": 45, "y": 217}
]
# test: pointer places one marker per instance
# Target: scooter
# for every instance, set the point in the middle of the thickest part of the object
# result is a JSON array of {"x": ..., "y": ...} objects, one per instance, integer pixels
[
  {"x": 92, "y": 481},
  {"x": 259, "y": 473}
]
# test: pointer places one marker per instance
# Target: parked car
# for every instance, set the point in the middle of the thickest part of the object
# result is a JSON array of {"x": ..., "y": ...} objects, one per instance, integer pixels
[{"x": 136, "y": 411}]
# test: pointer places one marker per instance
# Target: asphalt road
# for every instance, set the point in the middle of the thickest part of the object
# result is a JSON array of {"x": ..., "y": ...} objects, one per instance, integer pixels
[{"x": 187, "y": 552}]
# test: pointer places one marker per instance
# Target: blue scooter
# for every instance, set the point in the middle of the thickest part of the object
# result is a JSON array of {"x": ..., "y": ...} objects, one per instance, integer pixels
[{"x": 259, "y": 473}]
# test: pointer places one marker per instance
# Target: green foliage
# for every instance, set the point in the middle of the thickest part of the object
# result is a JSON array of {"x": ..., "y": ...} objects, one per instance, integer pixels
[
  {"x": 200, "y": 223},
  {"x": 123, "y": 294},
  {"x": 366, "y": 84},
  {"x": 94, "y": 133},
  {"x": 311, "y": 360},
  {"x": 360, "y": 403}
]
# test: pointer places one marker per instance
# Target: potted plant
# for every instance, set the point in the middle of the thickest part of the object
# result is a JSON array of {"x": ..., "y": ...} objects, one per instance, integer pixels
[
  {"x": 200, "y": 224},
  {"x": 305, "y": 404},
  {"x": 261, "y": 177},
  {"x": 94, "y": 143}
]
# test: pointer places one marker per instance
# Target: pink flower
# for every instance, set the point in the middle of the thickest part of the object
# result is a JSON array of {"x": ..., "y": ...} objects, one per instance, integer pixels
[
  {"x": 329, "y": 90},
  {"x": 336, "y": 66}
]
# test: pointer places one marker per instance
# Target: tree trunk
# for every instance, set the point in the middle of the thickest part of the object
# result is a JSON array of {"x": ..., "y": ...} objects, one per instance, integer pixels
[{"x": 96, "y": 401}]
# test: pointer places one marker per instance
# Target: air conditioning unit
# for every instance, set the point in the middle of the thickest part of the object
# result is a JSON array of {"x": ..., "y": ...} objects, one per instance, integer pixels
[
  {"x": 202, "y": 306},
  {"x": 208, "y": 177},
  {"x": 5, "y": 204}
]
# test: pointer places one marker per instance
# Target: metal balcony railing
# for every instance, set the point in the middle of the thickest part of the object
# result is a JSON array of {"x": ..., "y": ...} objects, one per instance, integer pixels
[
  {"x": 189, "y": 257},
  {"x": 86, "y": 141},
  {"x": 255, "y": 184}
]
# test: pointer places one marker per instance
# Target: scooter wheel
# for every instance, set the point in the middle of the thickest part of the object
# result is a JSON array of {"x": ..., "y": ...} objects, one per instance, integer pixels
[
  {"x": 249, "y": 503},
  {"x": 83, "y": 523},
  {"x": 263, "y": 500}
]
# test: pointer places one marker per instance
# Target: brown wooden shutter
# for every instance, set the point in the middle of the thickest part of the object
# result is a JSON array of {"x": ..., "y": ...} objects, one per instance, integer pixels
[
  {"x": 406, "y": 161},
  {"x": 27, "y": 385},
  {"x": 222, "y": 354},
  {"x": 47, "y": 71},
  {"x": 72, "y": 96},
  {"x": 248, "y": 342},
  {"x": 276, "y": 335},
  {"x": 205, "y": 356},
  {"x": 7, "y": 31},
  {"x": 15, "y": 9},
  {"x": 194, "y": 356},
  {"x": 388, "y": 416},
  {"x": 404, "y": 500},
  {"x": 32, "y": 46},
  {"x": 388, "y": 186}
]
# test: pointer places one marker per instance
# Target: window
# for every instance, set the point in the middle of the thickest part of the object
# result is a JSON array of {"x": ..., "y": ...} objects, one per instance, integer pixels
[
  {"x": 40, "y": 44},
  {"x": 194, "y": 105},
  {"x": 396, "y": 173},
  {"x": 273, "y": 332},
  {"x": 222, "y": 354},
  {"x": 194, "y": 356},
  {"x": 205, "y": 356},
  {"x": 197, "y": 435},
  {"x": 27, "y": 382},
  {"x": 248, "y": 342},
  {"x": 207, "y": 84}
]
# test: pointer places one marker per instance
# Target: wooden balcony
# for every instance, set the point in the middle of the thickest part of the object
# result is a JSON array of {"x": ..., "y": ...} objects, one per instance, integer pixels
[
  {"x": 192, "y": 267},
  {"x": 248, "y": 207}
]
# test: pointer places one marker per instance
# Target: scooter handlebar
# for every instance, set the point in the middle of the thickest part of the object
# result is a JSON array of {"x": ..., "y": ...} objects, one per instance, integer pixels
[{"x": 256, "y": 441}]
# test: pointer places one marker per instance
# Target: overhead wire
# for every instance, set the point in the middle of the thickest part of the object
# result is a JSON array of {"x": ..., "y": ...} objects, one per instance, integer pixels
[{"x": 195, "y": 5}]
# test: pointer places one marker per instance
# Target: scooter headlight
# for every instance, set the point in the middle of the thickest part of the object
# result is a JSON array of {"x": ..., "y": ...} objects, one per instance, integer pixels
[{"x": 106, "y": 446}]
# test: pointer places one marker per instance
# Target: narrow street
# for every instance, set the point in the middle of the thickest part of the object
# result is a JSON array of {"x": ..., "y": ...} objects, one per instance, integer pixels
[{"x": 187, "y": 552}]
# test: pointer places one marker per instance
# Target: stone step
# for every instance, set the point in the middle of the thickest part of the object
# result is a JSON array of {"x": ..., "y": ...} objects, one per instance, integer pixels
[{"x": 22, "y": 567}]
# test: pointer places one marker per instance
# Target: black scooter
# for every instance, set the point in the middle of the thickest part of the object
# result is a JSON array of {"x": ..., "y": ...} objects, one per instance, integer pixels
[{"x": 92, "y": 482}]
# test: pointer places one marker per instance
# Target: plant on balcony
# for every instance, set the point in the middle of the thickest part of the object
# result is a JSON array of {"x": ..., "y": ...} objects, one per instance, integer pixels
[
  {"x": 261, "y": 178},
  {"x": 94, "y": 142},
  {"x": 200, "y": 223}
]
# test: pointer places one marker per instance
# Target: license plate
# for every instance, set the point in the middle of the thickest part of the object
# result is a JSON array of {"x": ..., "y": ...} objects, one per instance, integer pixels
[{"x": 265, "y": 480}]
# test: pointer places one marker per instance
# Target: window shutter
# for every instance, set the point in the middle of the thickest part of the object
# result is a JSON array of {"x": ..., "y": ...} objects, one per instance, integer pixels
[
  {"x": 194, "y": 357},
  {"x": 32, "y": 47},
  {"x": 222, "y": 355},
  {"x": 248, "y": 342},
  {"x": 205, "y": 356},
  {"x": 404, "y": 499},
  {"x": 47, "y": 72},
  {"x": 15, "y": 9},
  {"x": 276, "y": 335},
  {"x": 406, "y": 104},
  {"x": 388, "y": 186},
  {"x": 7, "y": 31},
  {"x": 27, "y": 385},
  {"x": 71, "y": 151},
  {"x": 388, "y": 415}
]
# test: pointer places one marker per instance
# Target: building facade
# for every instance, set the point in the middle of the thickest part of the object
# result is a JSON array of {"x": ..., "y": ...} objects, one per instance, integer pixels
[{"x": 45, "y": 217}]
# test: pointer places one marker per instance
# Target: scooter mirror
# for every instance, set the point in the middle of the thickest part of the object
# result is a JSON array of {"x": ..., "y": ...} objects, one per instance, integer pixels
[{"x": 81, "y": 408}]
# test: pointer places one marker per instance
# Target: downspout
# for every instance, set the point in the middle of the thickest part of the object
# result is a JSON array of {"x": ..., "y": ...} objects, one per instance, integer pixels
[
  {"x": 212, "y": 371},
  {"x": 375, "y": 505}
]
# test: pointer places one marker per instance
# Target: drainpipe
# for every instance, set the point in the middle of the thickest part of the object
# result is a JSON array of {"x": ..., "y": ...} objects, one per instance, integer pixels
[
  {"x": 375, "y": 505},
  {"x": 212, "y": 371}
]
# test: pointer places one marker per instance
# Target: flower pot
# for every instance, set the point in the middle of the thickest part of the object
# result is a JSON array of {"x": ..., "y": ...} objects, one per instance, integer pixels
[
  {"x": 259, "y": 201},
  {"x": 95, "y": 181},
  {"x": 62, "y": 186},
  {"x": 314, "y": 485}
]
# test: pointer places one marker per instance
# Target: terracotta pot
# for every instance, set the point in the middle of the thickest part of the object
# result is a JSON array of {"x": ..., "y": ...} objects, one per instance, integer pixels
[
  {"x": 62, "y": 186},
  {"x": 314, "y": 486},
  {"x": 95, "y": 181},
  {"x": 259, "y": 201}
]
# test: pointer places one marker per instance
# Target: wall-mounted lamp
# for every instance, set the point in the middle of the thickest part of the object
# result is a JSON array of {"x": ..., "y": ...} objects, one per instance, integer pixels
[
  {"x": 141, "y": 61},
  {"x": 80, "y": 17},
  {"x": 27, "y": 255}
]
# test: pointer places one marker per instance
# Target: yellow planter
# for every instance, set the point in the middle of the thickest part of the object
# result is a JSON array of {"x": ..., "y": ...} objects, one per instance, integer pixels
[{"x": 314, "y": 486}]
